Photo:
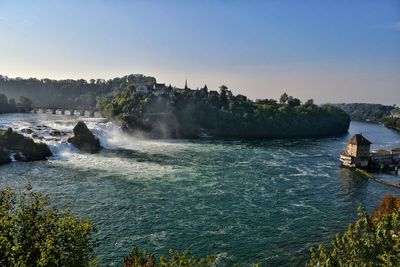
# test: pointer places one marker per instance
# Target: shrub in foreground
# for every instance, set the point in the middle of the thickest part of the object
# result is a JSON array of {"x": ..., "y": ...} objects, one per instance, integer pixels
[
  {"x": 370, "y": 241},
  {"x": 139, "y": 258},
  {"x": 32, "y": 234}
]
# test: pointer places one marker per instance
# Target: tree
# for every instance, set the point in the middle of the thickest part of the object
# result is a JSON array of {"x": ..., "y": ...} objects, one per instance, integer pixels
[
  {"x": 33, "y": 234},
  {"x": 3, "y": 100},
  {"x": 387, "y": 206},
  {"x": 294, "y": 102},
  {"x": 223, "y": 96},
  {"x": 284, "y": 98},
  {"x": 25, "y": 102},
  {"x": 139, "y": 258},
  {"x": 309, "y": 102},
  {"x": 12, "y": 103},
  {"x": 370, "y": 241}
]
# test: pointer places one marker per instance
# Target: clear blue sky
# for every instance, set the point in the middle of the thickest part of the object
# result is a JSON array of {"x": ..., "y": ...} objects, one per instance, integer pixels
[{"x": 331, "y": 51}]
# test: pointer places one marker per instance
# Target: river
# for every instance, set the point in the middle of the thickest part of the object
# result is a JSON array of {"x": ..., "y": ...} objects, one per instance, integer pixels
[{"x": 242, "y": 200}]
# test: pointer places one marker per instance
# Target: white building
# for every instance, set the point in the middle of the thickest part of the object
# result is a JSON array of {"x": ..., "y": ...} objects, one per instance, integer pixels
[{"x": 142, "y": 89}]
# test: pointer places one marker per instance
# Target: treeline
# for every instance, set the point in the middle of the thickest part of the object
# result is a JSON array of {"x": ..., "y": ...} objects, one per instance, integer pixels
[
  {"x": 366, "y": 112},
  {"x": 388, "y": 115},
  {"x": 393, "y": 123},
  {"x": 189, "y": 113},
  {"x": 67, "y": 93},
  {"x": 10, "y": 105}
]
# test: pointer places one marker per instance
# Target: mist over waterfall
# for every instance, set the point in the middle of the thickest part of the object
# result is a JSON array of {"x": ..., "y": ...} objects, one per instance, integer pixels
[{"x": 54, "y": 130}]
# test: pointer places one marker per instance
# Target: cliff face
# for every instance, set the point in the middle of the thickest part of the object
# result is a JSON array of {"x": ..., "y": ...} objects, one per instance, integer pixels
[{"x": 228, "y": 126}]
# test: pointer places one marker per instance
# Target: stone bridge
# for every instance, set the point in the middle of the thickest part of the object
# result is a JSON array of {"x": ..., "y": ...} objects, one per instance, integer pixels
[{"x": 64, "y": 111}]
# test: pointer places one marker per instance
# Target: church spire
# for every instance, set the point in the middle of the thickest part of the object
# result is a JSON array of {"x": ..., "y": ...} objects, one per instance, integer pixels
[{"x": 186, "y": 87}]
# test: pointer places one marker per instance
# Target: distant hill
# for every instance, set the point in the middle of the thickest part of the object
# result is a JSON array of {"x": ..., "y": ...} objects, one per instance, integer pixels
[
  {"x": 388, "y": 115},
  {"x": 366, "y": 112},
  {"x": 67, "y": 93}
]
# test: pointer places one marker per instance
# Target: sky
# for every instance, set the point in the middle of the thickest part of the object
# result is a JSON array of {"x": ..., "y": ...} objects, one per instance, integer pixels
[{"x": 331, "y": 51}]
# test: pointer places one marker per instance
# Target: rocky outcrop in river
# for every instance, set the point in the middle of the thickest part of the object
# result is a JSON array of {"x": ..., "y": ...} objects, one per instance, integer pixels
[
  {"x": 84, "y": 139},
  {"x": 4, "y": 158},
  {"x": 23, "y": 148}
]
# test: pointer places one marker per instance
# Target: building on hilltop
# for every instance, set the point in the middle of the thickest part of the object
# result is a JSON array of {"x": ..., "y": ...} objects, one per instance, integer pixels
[
  {"x": 186, "y": 86},
  {"x": 142, "y": 89},
  {"x": 357, "y": 153},
  {"x": 159, "y": 86}
]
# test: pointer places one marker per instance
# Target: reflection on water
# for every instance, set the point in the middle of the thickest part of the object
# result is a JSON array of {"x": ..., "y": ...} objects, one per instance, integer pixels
[{"x": 353, "y": 182}]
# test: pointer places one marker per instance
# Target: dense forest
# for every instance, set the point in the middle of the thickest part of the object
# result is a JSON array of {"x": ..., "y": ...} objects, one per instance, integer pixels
[
  {"x": 388, "y": 115},
  {"x": 366, "y": 112},
  {"x": 67, "y": 93},
  {"x": 393, "y": 123},
  {"x": 186, "y": 113},
  {"x": 10, "y": 105}
]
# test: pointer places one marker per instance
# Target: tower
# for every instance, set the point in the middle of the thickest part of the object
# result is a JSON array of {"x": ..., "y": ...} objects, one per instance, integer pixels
[{"x": 186, "y": 87}]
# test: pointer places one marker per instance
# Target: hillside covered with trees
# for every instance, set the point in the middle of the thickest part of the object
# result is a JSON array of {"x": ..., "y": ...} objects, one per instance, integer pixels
[
  {"x": 10, "y": 105},
  {"x": 66, "y": 93},
  {"x": 392, "y": 122},
  {"x": 366, "y": 112},
  {"x": 186, "y": 113},
  {"x": 388, "y": 115}
]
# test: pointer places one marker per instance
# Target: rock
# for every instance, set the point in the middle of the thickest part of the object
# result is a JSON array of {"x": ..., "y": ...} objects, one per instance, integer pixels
[
  {"x": 57, "y": 133},
  {"x": 19, "y": 157},
  {"x": 27, "y": 131},
  {"x": 25, "y": 147},
  {"x": 4, "y": 158},
  {"x": 84, "y": 139},
  {"x": 37, "y": 136}
]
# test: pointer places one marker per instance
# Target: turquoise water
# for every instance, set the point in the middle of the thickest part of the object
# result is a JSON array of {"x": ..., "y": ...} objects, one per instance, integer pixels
[{"x": 245, "y": 201}]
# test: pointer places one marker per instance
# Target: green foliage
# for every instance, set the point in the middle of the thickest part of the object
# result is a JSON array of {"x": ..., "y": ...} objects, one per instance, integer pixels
[
  {"x": 187, "y": 113},
  {"x": 139, "y": 258},
  {"x": 366, "y": 112},
  {"x": 25, "y": 101},
  {"x": 68, "y": 93},
  {"x": 177, "y": 259},
  {"x": 7, "y": 106},
  {"x": 284, "y": 98},
  {"x": 367, "y": 242},
  {"x": 393, "y": 123},
  {"x": 32, "y": 234}
]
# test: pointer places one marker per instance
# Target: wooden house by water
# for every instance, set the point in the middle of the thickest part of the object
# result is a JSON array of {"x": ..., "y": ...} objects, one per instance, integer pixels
[{"x": 357, "y": 153}]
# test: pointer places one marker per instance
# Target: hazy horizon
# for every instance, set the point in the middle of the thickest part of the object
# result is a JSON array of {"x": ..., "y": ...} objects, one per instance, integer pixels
[{"x": 332, "y": 52}]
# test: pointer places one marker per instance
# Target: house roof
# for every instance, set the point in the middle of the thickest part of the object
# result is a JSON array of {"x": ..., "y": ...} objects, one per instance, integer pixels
[{"x": 358, "y": 139}]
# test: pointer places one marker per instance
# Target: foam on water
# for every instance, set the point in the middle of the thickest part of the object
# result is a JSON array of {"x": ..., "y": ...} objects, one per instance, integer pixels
[{"x": 243, "y": 200}]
